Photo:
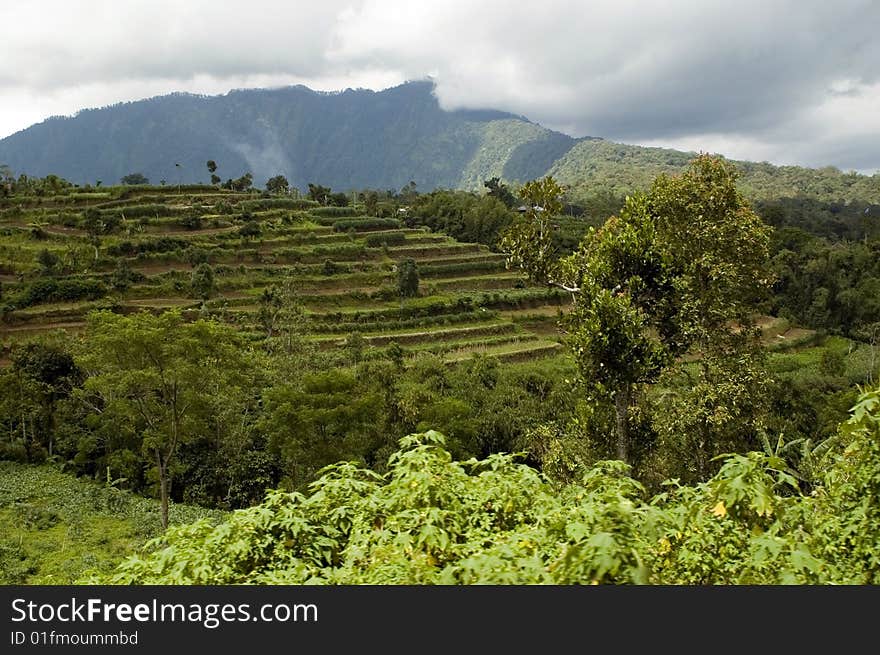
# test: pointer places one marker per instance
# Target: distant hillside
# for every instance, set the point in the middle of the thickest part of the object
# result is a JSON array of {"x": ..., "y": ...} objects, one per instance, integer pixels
[
  {"x": 357, "y": 139},
  {"x": 598, "y": 165}
]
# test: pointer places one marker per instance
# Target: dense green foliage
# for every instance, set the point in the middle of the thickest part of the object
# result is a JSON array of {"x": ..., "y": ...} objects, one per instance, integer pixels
[
  {"x": 134, "y": 178},
  {"x": 408, "y": 278},
  {"x": 434, "y": 520},
  {"x": 618, "y": 168},
  {"x": 671, "y": 274},
  {"x": 243, "y": 341},
  {"x": 483, "y": 219},
  {"x": 462, "y": 215},
  {"x": 155, "y": 383},
  {"x": 826, "y": 265},
  {"x": 365, "y": 224},
  {"x": 57, "y": 289}
]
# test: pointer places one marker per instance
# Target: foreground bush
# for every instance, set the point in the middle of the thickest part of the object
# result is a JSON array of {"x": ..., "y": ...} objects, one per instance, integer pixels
[{"x": 434, "y": 520}]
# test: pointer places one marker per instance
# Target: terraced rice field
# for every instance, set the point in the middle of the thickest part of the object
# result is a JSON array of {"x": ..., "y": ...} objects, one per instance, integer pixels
[{"x": 343, "y": 264}]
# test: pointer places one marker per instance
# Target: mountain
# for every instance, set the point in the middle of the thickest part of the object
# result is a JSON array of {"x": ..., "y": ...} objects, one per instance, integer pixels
[
  {"x": 360, "y": 138},
  {"x": 350, "y": 139}
]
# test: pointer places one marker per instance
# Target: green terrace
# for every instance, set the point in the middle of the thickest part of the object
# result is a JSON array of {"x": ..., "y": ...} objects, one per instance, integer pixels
[
  {"x": 136, "y": 249},
  {"x": 57, "y": 264}
]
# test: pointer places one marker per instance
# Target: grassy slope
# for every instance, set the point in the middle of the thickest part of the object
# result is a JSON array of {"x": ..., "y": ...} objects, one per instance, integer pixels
[{"x": 54, "y": 527}]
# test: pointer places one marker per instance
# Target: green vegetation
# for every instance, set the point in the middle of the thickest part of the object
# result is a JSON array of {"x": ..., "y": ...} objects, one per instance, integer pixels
[
  {"x": 134, "y": 178},
  {"x": 408, "y": 278},
  {"x": 158, "y": 382},
  {"x": 57, "y": 528},
  {"x": 619, "y": 169},
  {"x": 826, "y": 265},
  {"x": 678, "y": 271},
  {"x": 434, "y": 520},
  {"x": 344, "y": 309},
  {"x": 203, "y": 345}
]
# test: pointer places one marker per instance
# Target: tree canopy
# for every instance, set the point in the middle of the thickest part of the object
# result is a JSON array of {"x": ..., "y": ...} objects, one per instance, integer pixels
[
  {"x": 161, "y": 379},
  {"x": 277, "y": 185},
  {"x": 671, "y": 273},
  {"x": 135, "y": 178},
  {"x": 408, "y": 278}
]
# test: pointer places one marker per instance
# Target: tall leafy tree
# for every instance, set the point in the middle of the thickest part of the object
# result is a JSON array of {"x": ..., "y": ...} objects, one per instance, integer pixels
[
  {"x": 160, "y": 378},
  {"x": 282, "y": 314},
  {"x": 319, "y": 193},
  {"x": 408, "y": 278},
  {"x": 47, "y": 374},
  {"x": 528, "y": 241},
  {"x": 371, "y": 202},
  {"x": 277, "y": 185},
  {"x": 622, "y": 326},
  {"x": 135, "y": 178},
  {"x": 338, "y": 199},
  {"x": 318, "y": 419},
  {"x": 408, "y": 192},
  {"x": 671, "y": 273},
  {"x": 202, "y": 281},
  {"x": 497, "y": 189},
  {"x": 212, "y": 169}
]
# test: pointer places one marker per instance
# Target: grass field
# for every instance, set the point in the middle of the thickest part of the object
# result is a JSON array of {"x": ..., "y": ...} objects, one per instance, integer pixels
[{"x": 55, "y": 528}]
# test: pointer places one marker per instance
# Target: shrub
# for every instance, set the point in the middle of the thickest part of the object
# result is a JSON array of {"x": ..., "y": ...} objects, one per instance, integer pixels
[
  {"x": 277, "y": 203},
  {"x": 407, "y": 278},
  {"x": 333, "y": 211},
  {"x": 365, "y": 224},
  {"x": 434, "y": 520},
  {"x": 140, "y": 211},
  {"x": 162, "y": 244},
  {"x": 383, "y": 239},
  {"x": 191, "y": 222},
  {"x": 202, "y": 281},
  {"x": 54, "y": 290},
  {"x": 251, "y": 229}
]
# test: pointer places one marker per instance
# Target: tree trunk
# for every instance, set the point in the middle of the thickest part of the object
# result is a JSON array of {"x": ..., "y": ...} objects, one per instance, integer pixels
[
  {"x": 700, "y": 456},
  {"x": 873, "y": 352},
  {"x": 52, "y": 424},
  {"x": 163, "y": 489},
  {"x": 621, "y": 408}
]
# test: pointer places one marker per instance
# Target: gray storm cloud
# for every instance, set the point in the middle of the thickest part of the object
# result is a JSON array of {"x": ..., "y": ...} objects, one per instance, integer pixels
[{"x": 788, "y": 81}]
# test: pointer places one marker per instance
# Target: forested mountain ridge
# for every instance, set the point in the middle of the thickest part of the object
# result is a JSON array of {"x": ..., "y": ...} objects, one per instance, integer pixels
[
  {"x": 351, "y": 139},
  {"x": 359, "y": 139}
]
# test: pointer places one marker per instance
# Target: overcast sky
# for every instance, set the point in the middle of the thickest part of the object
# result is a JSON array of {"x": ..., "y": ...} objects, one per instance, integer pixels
[{"x": 790, "y": 82}]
